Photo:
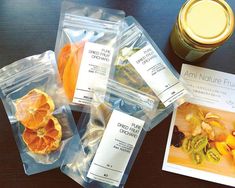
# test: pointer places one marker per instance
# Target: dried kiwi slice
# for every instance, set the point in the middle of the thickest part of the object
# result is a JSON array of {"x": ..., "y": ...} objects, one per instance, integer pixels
[
  {"x": 199, "y": 142},
  {"x": 198, "y": 157},
  {"x": 213, "y": 155},
  {"x": 187, "y": 145},
  {"x": 205, "y": 149}
]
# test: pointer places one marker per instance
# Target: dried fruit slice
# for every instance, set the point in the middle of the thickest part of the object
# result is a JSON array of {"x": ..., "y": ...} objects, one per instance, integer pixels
[
  {"x": 199, "y": 142},
  {"x": 208, "y": 129},
  {"x": 215, "y": 124},
  {"x": 45, "y": 139},
  {"x": 221, "y": 137},
  {"x": 71, "y": 69},
  {"x": 33, "y": 108},
  {"x": 210, "y": 115},
  {"x": 198, "y": 157},
  {"x": 205, "y": 149},
  {"x": 197, "y": 130},
  {"x": 223, "y": 148},
  {"x": 63, "y": 58},
  {"x": 233, "y": 154},
  {"x": 230, "y": 141},
  {"x": 213, "y": 155},
  {"x": 187, "y": 145},
  {"x": 193, "y": 119}
]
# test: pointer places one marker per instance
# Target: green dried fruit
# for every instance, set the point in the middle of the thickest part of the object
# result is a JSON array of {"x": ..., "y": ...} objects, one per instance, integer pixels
[
  {"x": 213, "y": 155},
  {"x": 205, "y": 149},
  {"x": 199, "y": 142},
  {"x": 198, "y": 157},
  {"x": 187, "y": 145},
  {"x": 126, "y": 74},
  {"x": 126, "y": 52}
]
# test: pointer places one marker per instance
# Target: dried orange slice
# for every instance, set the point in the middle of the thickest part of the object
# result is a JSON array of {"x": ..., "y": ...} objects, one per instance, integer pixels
[
  {"x": 32, "y": 110},
  {"x": 45, "y": 139},
  {"x": 69, "y": 67}
]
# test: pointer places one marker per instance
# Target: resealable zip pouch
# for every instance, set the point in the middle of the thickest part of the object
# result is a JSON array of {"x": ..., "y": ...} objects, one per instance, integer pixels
[
  {"x": 38, "y": 111},
  {"x": 140, "y": 64},
  {"x": 85, "y": 48},
  {"x": 111, "y": 136}
]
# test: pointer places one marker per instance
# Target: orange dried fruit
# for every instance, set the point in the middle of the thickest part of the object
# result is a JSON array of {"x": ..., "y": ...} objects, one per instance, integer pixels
[
  {"x": 71, "y": 69},
  {"x": 45, "y": 139},
  {"x": 223, "y": 148},
  {"x": 32, "y": 110},
  {"x": 220, "y": 137},
  {"x": 63, "y": 57},
  {"x": 233, "y": 154},
  {"x": 230, "y": 141}
]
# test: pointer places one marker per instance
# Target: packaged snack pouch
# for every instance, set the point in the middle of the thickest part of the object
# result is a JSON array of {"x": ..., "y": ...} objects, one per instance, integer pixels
[
  {"x": 85, "y": 48},
  {"x": 141, "y": 65},
  {"x": 38, "y": 111},
  {"x": 111, "y": 136}
]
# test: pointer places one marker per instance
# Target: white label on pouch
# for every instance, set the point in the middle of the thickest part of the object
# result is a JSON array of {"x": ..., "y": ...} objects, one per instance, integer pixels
[
  {"x": 115, "y": 149},
  {"x": 157, "y": 75},
  {"x": 94, "y": 71}
]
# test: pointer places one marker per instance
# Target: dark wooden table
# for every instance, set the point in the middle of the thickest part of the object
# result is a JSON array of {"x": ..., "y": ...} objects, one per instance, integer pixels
[{"x": 29, "y": 27}]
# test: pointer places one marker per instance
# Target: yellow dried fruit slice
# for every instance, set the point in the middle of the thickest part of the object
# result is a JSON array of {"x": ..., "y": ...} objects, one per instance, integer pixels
[
  {"x": 210, "y": 115},
  {"x": 215, "y": 124},
  {"x": 230, "y": 141},
  {"x": 223, "y": 148},
  {"x": 233, "y": 155}
]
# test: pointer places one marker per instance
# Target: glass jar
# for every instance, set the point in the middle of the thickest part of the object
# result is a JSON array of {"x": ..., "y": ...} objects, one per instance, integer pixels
[{"x": 201, "y": 27}]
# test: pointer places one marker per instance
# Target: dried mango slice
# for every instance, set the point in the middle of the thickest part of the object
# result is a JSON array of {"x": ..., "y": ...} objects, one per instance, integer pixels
[
  {"x": 33, "y": 108},
  {"x": 220, "y": 137},
  {"x": 69, "y": 63},
  {"x": 70, "y": 76},
  {"x": 63, "y": 58},
  {"x": 45, "y": 139}
]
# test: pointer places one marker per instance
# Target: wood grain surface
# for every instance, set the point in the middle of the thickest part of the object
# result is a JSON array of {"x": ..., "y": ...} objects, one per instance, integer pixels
[{"x": 29, "y": 27}]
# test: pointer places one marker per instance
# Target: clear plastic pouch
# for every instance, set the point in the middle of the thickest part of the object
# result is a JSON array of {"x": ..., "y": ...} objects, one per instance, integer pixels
[
  {"x": 141, "y": 65},
  {"x": 111, "y": 136},
  {"x": 38, "y": 111},
  {"x": 85, "y": 48}
]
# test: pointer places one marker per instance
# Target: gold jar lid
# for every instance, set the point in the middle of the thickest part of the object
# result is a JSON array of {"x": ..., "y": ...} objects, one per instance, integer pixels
[{"x": 207, "y": 23}]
